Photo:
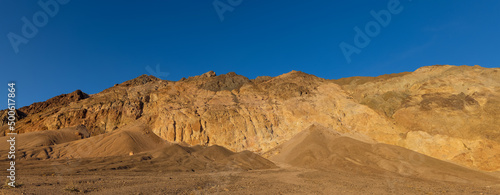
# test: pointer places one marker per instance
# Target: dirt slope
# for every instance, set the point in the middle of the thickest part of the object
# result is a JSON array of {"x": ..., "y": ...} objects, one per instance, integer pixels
[
  {"x": 131, "y": 147},
  {"x": 321, "y": 148},
  {"x": 46, "y": 138}
]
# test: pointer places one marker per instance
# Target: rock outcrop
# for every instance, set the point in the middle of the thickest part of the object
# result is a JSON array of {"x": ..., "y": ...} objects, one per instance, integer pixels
[{"x": 448, "y": 112}]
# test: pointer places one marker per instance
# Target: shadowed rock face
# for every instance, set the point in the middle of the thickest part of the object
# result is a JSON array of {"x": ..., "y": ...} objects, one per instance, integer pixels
[
  {"x": 447, "y": 112},
  {"x": 55, "y": 102}
]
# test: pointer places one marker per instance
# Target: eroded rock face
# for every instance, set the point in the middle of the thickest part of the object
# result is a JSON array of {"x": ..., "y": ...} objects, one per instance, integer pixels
[{"x": 447, "y": 112}]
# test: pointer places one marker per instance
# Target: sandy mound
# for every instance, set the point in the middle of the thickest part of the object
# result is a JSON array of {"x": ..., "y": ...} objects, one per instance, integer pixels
[
  {"x": 133, "y": 147},
  {"x": 124, "y": 141},
  {"x": 46, "y": 138},
  {"x": 175, "y": 157},
  {"x": 245, "y": 160},
  {"x": 321, "y": 148},
  {"x": 215, "y": 152},
  {"x": 167, "y": 158}
]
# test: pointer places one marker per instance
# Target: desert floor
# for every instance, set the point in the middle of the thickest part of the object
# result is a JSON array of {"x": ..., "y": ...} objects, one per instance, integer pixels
[{"x": 64, "y": 177}]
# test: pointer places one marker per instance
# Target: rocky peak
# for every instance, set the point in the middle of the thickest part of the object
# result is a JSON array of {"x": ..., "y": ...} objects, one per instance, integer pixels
[
  {"x": 141, "y": 80},
  {"x": 77, "y": 95},
  {"x": 227, "y": 81},
  {"x": 209, "y": 74},
  {"x": 299, "y": 75},
  {"x": 58, "y": 101}
]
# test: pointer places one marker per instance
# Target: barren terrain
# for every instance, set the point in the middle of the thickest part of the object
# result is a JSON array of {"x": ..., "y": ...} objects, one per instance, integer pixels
[{"x": 432, "y": 131}]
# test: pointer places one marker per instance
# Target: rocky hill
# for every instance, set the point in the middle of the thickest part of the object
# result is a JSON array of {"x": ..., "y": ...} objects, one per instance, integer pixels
[{"x": 450, "y": 113}]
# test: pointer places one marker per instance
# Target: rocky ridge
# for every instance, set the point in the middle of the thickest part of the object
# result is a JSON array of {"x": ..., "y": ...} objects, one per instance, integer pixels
[{"x": 447, "y": 112}]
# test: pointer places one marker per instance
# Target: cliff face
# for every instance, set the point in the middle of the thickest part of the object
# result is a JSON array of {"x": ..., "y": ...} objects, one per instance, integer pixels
[{"x": 448, "y": 112}]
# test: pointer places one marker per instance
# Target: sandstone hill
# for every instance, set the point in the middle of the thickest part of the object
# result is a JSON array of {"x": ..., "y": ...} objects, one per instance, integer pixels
[{"x": 451, "y": 113}]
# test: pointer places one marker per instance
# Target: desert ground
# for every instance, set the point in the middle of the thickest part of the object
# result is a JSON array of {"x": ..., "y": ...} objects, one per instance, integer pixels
[{"x": 40, "y": 178}]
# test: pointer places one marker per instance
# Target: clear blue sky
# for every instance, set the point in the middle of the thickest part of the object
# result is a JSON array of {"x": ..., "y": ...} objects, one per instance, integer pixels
[{"x": 91, "y": 45}]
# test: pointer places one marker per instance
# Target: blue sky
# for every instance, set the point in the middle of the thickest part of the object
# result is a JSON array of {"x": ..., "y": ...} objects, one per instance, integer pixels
[{"x": 91, "y": 45}]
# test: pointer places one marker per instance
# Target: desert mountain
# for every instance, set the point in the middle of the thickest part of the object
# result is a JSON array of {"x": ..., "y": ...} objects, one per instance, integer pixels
[{"x": 448, "y": 112}]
